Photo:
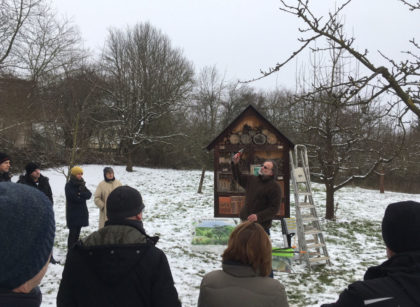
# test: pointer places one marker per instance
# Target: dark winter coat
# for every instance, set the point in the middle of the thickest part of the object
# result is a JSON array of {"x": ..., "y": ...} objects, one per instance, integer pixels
[
  {"x": 43, "y": 184},
  {"x": 239, "y": 286},
  {"x": 12, "y": 299},
  {"x": 118, "y": 266},
  {"x": 77, "y": 214},
  {"x": 5, "y": 177},
  {"x": 396, "y": 282},
  {"x": 262, "y": 196}
]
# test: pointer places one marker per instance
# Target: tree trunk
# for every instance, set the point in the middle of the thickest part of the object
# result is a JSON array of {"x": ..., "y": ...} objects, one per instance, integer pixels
[
  {"x": 72, "y": 161},
  {"x": 68, "y": 139},
  {"x": 381, "y": 180},
  {"x": 129, "y": 167},
  {"x": 381, "y": 183},
  {"x": 329, "y": 212},
  {"x": 200, "y": 186}
]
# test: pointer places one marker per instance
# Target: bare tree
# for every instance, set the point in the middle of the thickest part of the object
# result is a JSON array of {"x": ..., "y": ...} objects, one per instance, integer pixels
[
  {"x": 35, "y": 45},
  {"x": 47, "y": 46},
  {"x": 216, "y": 102},
  {"x": 403, "y": 173},
  {"x": 147, "y": 79},
  {"x": 207, "y": 112},
  {"x": 14, "y": 16},
  {"x": 347, "y": 138},
  {"x": 238, "y": 97},
  {"x": 207, "y": 103},
  {"x": 16, "y": 110},
  {"x": 400, "y": 79},
  {"x": 68, "y": 112},
  {"x": 281, "y": 111}
]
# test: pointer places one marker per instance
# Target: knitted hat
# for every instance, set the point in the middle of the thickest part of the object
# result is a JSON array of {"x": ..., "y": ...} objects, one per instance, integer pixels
[
  {"x": 108, "y": 170},
  {"x": 3, "y": 157},
  {"x": 123, "y": 202},
  {"x": 401, "y": 226},
  {"x": 30, "y": 167},
  {"x": 76, "y": 170},
  {"x": 27, "y": 230}
]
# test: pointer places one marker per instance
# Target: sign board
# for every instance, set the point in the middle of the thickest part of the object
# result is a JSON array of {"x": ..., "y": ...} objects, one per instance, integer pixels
[{"x": 212, "y": 234}]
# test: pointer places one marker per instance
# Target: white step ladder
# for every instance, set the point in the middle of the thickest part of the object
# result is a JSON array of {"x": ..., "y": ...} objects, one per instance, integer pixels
[{"x": 310, "y": 238}]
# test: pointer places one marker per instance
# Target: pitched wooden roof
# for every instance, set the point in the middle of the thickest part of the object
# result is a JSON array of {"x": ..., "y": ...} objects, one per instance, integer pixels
[{"x": 249, "y": 109}]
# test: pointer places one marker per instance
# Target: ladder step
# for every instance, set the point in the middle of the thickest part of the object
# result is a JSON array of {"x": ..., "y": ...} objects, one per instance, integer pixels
[
  {"x": 306, "y": 205},
  {"x": 319, "y": 245},
  {"x": 304, "y": 193},
  {"x": 318, "y": 259},
  {"x": 315, "y": 255},
  {"x": 312, "y": 231},
  {"x": 309, "y": 218}
]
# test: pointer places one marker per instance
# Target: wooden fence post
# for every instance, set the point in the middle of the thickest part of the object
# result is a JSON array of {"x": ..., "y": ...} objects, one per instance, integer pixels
[{"x": 200, "y": 186}]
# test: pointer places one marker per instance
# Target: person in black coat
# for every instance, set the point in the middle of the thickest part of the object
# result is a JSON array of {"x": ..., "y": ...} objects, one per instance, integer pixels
[
  {"x": 118, "y": 265},
  {"x": 77, "y": 214},
  {"x": 396, "y": 282},
  {"x": 4, "y": 168},
  {"x": 34, "y": 178}
]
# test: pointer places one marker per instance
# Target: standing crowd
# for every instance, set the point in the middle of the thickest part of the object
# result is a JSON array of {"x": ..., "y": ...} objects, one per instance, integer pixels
[{"x": 120, "y": 265}]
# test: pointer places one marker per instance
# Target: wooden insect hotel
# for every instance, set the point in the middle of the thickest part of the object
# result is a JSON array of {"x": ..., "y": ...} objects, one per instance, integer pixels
[{"x": 260, "y": 141}]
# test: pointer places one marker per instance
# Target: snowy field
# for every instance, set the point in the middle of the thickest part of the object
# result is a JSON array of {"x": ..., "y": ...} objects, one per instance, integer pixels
[{"x": 172, "y": 205}]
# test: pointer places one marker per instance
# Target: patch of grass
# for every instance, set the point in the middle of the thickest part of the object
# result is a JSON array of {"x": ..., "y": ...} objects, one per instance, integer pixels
[
  {"x": 318, "y": 190},
  {"x": 349, "y": 230},
  {"x": 356, "y": 239}
]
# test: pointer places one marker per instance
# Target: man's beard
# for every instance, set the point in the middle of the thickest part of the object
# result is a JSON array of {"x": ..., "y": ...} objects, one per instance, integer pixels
[{"x": 264, "y": 177}]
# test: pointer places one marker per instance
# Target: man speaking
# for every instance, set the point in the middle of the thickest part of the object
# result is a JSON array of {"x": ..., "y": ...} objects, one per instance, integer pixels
[{"x": 262, "y": 193}]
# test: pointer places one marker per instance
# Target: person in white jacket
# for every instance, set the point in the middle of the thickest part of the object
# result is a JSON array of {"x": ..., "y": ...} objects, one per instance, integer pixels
[{"x": 102, "y": 192}]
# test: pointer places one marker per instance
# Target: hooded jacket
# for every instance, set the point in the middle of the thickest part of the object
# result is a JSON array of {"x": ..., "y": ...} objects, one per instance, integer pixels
[
  {"x": 238, "y": 285},
  {"x": 101, "y": 194},
  {"x": 262, "y": 196},
  {"x": 396, "y": 282},
  {"x": 117, "y": 265}
]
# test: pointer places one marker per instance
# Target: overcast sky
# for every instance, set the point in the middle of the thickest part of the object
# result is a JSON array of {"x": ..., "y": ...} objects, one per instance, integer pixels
[{"x": 241, "y": 37}]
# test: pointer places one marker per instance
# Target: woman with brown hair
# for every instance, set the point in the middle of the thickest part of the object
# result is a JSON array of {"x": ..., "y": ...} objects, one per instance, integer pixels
[{"x": 243, "y": 280}]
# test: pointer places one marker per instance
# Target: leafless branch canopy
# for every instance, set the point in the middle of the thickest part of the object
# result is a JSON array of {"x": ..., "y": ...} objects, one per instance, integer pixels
[
  {"x": 14, "y": 15},
  {"x": 400, "y": 79},
  {"x": 412, "y": 5}
]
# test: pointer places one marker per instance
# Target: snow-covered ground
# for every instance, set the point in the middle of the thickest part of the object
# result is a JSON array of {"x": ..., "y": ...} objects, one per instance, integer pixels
[{"x": 172, "y": 205}]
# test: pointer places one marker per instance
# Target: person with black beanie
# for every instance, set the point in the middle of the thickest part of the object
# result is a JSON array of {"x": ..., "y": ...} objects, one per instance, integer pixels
[
  {"x": 5, "y": 175},
  {"x": 35, "y": 179},
  {"x": 396, "y": 282},
  {"x": 118, "y": 265},
  {"x": 102, "y": 192}
]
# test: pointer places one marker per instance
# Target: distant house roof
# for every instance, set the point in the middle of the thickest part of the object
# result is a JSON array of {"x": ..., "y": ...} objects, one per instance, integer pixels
[{"x": 250, "y": 109}]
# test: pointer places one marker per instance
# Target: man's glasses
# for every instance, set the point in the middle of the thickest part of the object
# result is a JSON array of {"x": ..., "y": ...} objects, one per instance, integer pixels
[{"x": 266, "y": 167}]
